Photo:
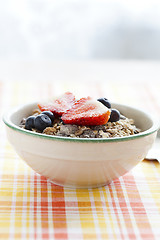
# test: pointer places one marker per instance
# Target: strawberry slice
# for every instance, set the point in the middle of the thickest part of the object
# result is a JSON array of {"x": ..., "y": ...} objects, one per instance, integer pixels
[
  {"x": 87, "y": 112},
  {"x": 59, "y": 105}
]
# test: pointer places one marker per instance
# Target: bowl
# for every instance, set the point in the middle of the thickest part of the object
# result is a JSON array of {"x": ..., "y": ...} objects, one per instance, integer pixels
[{"x": 85, "y": 162}]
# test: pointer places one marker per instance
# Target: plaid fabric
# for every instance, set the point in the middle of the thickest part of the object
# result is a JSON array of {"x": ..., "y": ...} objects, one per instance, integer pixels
[{"x": 33, "y": 208}]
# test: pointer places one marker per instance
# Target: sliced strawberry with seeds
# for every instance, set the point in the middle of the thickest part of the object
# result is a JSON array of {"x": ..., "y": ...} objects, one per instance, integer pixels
[
  {"x": 59, "y": 105},
  {"x": 87, "y": 112}
]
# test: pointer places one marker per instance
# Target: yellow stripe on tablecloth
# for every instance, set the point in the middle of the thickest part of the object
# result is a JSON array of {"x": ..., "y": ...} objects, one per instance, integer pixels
[
  {"x": 12, "y": 194},
  {"x": 112, "y": 222},
  {"x": 26, "y": 205},
  {"x": 5, "y": 196},
  {"x": 99, "y": 213},
  {"x": 152, "y": 172},
  {"x": 145, "y": 179},
  {"x": 12, "y": 224},
  {"x": 86, "y": 214}
]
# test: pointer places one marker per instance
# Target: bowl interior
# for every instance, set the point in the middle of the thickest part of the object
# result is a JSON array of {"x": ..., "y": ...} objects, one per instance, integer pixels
[
  {"x": 22, "y": 112},
  {"x": 142, "y": 120}
]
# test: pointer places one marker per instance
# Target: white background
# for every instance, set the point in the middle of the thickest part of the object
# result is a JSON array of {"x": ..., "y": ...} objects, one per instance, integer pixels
[{"x": 79, "y": 29}]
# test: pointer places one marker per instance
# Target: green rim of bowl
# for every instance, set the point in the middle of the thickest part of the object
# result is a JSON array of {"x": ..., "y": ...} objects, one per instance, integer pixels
[{"x": 149, "y": 131}]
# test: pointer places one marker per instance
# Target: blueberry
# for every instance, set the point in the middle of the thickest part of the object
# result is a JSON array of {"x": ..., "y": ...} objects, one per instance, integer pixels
[
  {"x": 30, "y": 123},
  {"x": 42, "y": 121},
  {"x": 49, "y": 114},
  {"x": 115, "y": 115},
  {"x": 105, "y": 102}
]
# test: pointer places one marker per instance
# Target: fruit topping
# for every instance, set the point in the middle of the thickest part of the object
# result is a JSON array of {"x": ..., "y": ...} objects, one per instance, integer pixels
[
  {"x": 42, "y": 121},
  {"x": 87, "y": 112},
  {"x": 115, "y": 115},
  {"x": 30, "y": 122},
  {"x": 49, "y": 114},
  {"x": 59, "y": 105},
  {"x": 105, "y": 102}
]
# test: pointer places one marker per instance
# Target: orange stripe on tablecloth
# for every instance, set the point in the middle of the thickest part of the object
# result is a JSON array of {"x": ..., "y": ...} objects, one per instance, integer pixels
[
  {"x": 18, "y": 215},
  {"x": 138, "y": 208},
  {"x": 35, "y": 206},
  {"x": 5, "y": 232},
  {"x": 44, "y": 208},
  {"x": 115, "y": 210},
  {"x": 152, "y": 172},
  {"x": 124, "y": 209},
  {"x": 9, "y": 194},
  {"x": 27, "y": 203},
  {"x": 58, "y": 212}
]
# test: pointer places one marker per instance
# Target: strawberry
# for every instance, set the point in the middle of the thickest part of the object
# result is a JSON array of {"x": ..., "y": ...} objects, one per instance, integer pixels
[
  {"x": 87, "y": 112},
  {"x": 59, "y": 105}
]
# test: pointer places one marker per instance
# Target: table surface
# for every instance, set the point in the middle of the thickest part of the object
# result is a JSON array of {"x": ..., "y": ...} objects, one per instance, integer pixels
[{"x": 33, "y": 208}]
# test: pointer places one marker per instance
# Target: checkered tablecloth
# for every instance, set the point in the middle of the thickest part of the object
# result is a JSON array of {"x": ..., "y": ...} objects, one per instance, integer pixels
[{"x": 33, "y": 208}]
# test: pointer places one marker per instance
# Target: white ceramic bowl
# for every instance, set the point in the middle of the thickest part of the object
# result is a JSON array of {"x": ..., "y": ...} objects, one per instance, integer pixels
[{"x": 81, "y": 163}]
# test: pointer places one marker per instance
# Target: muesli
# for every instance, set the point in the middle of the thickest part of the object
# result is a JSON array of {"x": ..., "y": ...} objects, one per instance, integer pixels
[{"x": 84, "y": 118}]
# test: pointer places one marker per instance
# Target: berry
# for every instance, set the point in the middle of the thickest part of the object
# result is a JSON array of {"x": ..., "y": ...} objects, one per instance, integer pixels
[
  {"x": 30, "y": 123},
  {"x": 115, "y": 115},
  {"x": 87, "y": 112},
  {"x": 49, "y": 114},
  {"x": 42, "y": 121},
  {"x": 59, "y": 105},
  {"x": 105, "y": 102}
]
